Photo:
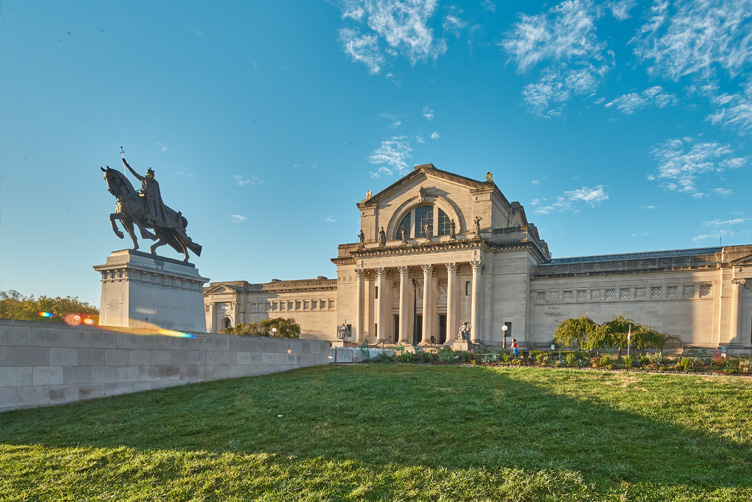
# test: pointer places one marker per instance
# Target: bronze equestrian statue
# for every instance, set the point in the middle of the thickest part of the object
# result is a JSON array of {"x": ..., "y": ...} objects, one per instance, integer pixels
[{"x": 147, "y": 211}]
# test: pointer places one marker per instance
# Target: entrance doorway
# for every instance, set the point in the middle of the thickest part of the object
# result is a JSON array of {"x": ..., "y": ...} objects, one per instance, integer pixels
[
  {"x": 419, "y": 321},
  {"x": 396, "y": 329},
  {"x": 442, "y": 328}
]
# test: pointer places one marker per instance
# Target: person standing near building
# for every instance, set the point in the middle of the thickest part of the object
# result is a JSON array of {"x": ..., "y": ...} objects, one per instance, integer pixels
[{"x": 515, "y": 348}]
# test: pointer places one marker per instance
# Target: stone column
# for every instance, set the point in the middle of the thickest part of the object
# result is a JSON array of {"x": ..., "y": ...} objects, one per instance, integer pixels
[
  {"x": 358, "y": 322},
  {"x": 451, "y": 299},
  {"x": 736, "y": 299},
  {"x": 474, "y": 314},
  {"x": 404, "y": 306},
  {"x": 429, "y": 308},
  {"x": 380, "y": 307}
]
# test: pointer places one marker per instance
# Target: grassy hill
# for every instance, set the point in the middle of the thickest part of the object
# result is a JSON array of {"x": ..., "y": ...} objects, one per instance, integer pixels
[{"x": 393, "y": 432}]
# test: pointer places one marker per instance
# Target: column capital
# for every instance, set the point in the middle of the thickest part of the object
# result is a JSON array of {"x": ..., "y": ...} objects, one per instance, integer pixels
[
  {"x": 426, "y": 268},
  {"x": 451, "y": 267},
  {"x": 402, "y": 269},
  {"x": 476, "y": 264},
  {"x": 359, "y": 272},
  {"x": 739, "y": 281},
  {"x": 380, "y": 271}
]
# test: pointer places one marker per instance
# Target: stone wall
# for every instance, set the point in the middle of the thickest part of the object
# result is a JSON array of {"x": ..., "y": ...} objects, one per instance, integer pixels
[{"x": 45, "y": 363}]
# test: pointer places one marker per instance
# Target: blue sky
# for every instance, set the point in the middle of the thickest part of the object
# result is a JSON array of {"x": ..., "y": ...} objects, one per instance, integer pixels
[{"x": 621, "y": 126}]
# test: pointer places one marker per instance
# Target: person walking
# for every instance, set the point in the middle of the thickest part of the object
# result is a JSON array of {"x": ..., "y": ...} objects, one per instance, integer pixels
[{"x": 515, "y": 348}]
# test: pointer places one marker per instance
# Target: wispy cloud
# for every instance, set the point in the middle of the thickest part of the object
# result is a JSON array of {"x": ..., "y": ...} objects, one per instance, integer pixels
[
  {"x": 682, "y": 161},
  {"x": 563, "y": 37},
  {"x": 713, "y": 235},
  {"x": 734, "y": 110},
  {"x": 653, "y": 96},
  {"x": 725, "y": 223},
  {"x": 453, "y": 24},
  {"x": 394, "y": 119},
  {"x": 240, "y": 180},
  {"x": 183, "y": 173},
  {"x": 620, "y": 8},
  {"x": 428, "y": 113},
  {"x": 162, "y": 147},
  {"x": 362, "y": 48},
  {"x": 237, "y": 218},
  {"x": 330, "y": 219},
  {"x": 568, "y": 201},
  {"x": 392, "y": 156},
  {"x": 488, "y": 5},
  {"x": 689, "y": 37},
  {"x": 435, "y": 135},
  {"x": 392, "y": 28}
]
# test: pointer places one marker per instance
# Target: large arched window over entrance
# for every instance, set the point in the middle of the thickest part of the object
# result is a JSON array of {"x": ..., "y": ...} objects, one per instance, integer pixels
[
  {"x": 226, "y": 323},
  {"x": 424, "y": 218}
]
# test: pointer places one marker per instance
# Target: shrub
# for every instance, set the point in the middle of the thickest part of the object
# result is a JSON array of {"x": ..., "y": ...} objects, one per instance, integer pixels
[
  {"x": 407, "y": 357},
  {"x": 540, "y": 358},
  {"x": 627, "y": 362},
  {"x": 505, "y": 358},
  {"x": 571, "y": 360},
  {"x": 384, "y": 357},
  {"x": 466, "y": 357},
  {"x": 689, "y": 364},
  {"x": 745, "y": 364},
  {"x": 446, "y": 355},
  {"x": 426, "y": 357},
  {"x": 644, "y": 361}
]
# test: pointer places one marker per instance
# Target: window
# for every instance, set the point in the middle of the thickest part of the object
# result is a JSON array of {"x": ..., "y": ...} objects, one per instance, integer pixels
[
  {"x": 624, "y": 294},
  {"x": 541, "y": 296},
  {"x": 581, "y": 295},
  {"x": 443, "y": 227},
  {"x": 567, "y": 296},
  {"x": 404, "y": 224},
  {"x": 704, "y": 290},
  {"x": 468, "y": 288},
  {"x": 424, "y": 220},
  {"x": 376, "y": 292},
  {"x": 226, "y": 323},
  {"x": 655, "y": 292}
]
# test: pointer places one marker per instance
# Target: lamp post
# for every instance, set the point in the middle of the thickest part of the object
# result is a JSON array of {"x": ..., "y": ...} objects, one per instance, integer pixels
[
  {"x": 274, "y": 331},
  {"x": 504, "y": 336}
]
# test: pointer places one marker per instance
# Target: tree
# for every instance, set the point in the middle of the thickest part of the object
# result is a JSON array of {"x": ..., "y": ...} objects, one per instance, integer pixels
[
  {"x": 286, "y": 328},
  {"x": 614, "y": 333},
  {"x": 13, "y": 305},
  {"x": 575, "y": 330}
]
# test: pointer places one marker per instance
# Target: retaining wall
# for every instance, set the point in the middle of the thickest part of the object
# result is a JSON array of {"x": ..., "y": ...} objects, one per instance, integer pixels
[{"x": 44, "y": 363}]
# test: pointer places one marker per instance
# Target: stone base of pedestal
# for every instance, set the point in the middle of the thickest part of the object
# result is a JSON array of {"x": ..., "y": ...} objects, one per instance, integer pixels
[
  {"x": 459, "y": 346},
  {"x": 139, "y": 288}
]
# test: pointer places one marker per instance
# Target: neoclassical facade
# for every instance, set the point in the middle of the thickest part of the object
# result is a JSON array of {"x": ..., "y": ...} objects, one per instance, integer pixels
[{"x": 438, "y": 250}]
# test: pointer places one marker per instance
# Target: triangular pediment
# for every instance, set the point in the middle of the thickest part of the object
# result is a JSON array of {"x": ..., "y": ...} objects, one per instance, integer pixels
[
  {"x": 425, "y": 174},
  {"x": 219, "y": 289}
]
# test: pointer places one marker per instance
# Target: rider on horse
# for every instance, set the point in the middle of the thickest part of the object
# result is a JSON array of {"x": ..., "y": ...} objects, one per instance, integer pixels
[{"x": 156, "y": 215}]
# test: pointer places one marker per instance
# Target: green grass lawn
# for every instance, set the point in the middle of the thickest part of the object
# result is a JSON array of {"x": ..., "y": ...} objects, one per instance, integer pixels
[{"x": 393, "y": 432}]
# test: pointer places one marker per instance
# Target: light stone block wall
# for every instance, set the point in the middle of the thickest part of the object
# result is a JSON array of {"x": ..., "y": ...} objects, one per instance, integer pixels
[
  {"x": 699, "y": 319},
  {"x": 43, "y": 363}
]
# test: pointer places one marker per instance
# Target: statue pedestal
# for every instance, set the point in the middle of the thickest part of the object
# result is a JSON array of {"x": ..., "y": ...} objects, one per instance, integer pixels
[
  {"x": 140, "y": 288},
  {"x": 462, "y": 346}
]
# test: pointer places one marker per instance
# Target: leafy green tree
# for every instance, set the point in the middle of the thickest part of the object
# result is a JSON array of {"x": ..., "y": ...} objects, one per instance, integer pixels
[
  {"x": 13, "y": 305},
  {"x": 614, "y": 333},
  {"x": 575, "y": 330},
  {"x": 286, "y": 328}
]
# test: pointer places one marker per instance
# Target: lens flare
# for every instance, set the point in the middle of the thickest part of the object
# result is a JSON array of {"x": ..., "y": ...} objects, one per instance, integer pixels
[
  {"x": 143, "y": 328},
  {"x": 45, "y": 314}
]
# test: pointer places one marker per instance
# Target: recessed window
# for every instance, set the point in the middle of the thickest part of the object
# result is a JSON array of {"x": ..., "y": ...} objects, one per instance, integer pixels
[
  {"x": 424, "y": 220},
  {"x": 443, "y": 227},
  {"x": 468, "y": 288},
  {"x": 404, "y": 224}
]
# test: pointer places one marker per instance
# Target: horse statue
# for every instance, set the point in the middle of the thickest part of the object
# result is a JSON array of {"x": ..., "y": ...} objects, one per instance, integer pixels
[{"x": 130, "y": 209}]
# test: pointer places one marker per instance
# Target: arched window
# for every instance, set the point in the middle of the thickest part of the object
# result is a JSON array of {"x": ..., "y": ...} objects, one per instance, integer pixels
[
  {"x": 226, "y": 323},
  {"x": 443, "y": 226},
  {"x": 405, "y": 223},
  {"x": 423, "y": 220}
]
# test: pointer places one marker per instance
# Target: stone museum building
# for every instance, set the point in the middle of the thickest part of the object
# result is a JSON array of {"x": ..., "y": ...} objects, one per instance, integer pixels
[{"x": 438, "y": 250}]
